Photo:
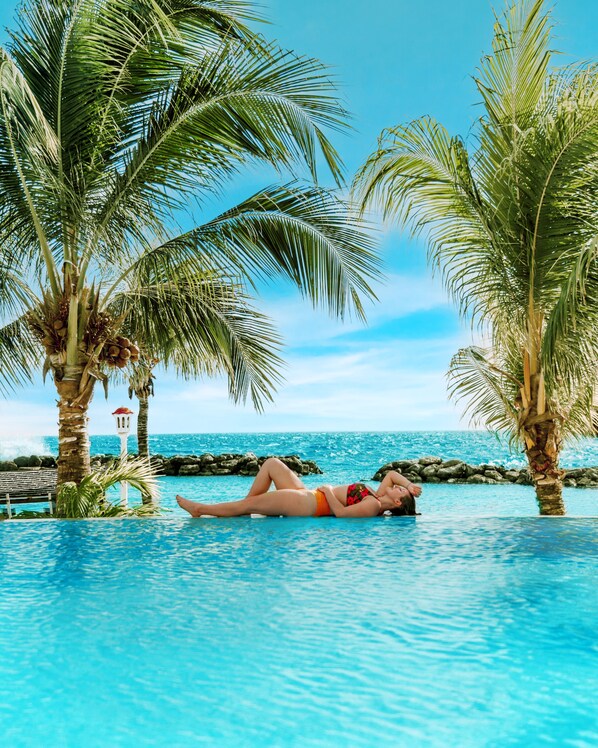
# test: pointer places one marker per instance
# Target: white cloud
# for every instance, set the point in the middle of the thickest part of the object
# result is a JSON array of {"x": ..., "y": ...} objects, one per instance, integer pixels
[{"x": 399, "y": 297}]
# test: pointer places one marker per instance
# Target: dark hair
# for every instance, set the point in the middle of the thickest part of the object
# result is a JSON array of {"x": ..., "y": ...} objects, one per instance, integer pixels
[{"x": 407, "y": 508}]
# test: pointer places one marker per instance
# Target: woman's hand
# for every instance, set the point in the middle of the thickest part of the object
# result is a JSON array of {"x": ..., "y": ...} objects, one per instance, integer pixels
[{"x": 414, "y": 489}]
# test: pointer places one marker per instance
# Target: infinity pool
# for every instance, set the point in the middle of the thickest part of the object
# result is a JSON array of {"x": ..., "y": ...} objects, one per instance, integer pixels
[{"x": 435, "y": 631}]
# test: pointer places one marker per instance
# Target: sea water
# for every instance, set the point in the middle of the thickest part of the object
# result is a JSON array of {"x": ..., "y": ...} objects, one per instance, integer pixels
[{"x": 346, "y": 451}]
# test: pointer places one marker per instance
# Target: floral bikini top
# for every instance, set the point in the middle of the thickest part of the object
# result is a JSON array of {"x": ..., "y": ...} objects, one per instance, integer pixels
[{"x": 357, "y": 492}]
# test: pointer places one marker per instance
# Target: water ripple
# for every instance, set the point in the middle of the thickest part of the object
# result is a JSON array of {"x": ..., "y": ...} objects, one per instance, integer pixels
[{"x": 300, "y": 632}]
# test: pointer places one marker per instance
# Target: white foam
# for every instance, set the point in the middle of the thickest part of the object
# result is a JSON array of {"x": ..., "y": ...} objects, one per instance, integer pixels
[{"x": 11, "y": 447}]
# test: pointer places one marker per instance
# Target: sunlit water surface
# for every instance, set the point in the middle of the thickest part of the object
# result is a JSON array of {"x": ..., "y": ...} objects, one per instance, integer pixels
[
  {"x": 471, "y": 625},
  {"x": 445, "y": 630}
]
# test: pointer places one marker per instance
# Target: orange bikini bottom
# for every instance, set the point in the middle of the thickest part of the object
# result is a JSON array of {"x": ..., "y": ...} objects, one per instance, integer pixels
[{"x": 322, "y": 505}]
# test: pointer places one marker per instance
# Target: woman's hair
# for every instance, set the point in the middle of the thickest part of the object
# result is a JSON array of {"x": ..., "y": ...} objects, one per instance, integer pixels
[{"x": 407, "y": 508}]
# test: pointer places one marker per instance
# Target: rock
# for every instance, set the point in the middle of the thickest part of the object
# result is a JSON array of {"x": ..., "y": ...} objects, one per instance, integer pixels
[
  {"x": 21, "y": 462},
  {"x": 429, "y": 472},
  {"x": 569, "y": 483},
  {"x": 524, "y": 480},
  {"x": 512, "y": 475},
  {"x": 482, "y": 479},
  {"x": 455, "y": 470},
  {"x": 206, "y": 459},
  {"x": 403, "y": 465},
  {"x": 494, "y": 474},
  {"x": 48, "y": 461},
  {"x": 452, "y": 463},
  {"x": 433, "y": 479},
  {"x": 585, "y": 483},
  {"x": 170, "y": 468},
  {"x": 313, "y": 467},
  {"x": 187, "y": 469},
  {"x": 35, "y": 461},
  {"x": 189, "y": 460},
  {"x": 229, "y": 465},
  {"x": 177, "y": 459},
  {"x": 426, "y": 461}
]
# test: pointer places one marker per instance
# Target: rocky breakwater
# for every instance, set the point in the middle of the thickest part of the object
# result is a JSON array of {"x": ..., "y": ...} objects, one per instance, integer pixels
[
  {"x": 436, "y": 470},
  {"x": 205, "y": 464},
  {"x": 224, "y": 464},
  {"x": 28, "y": 463}
]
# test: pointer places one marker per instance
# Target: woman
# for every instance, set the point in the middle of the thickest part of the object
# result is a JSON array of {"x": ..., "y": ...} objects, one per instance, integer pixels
[{"x": 292, "y": 499}]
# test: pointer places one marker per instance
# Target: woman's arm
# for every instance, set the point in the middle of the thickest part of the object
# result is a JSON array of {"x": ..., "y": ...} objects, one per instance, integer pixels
[
  {"x": 392, "y": 478},
  {"x": 369, "y": 507}
]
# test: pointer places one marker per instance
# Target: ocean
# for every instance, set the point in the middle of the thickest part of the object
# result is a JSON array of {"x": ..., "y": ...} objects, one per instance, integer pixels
[{"x": 336, "y": 452}]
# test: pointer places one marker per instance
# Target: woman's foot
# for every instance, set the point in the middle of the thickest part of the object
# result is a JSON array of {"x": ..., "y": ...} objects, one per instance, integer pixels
[{"x": 194, "y": 508}]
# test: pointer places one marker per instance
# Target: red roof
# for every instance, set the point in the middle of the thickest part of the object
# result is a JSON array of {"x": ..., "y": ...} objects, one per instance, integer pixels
[{"x": 122, "y": 412}]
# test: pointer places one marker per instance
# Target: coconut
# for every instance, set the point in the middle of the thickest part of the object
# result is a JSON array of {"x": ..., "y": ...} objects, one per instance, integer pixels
[
  {"x": 121, "y": 363},
  {"x": 58, "y": 324},
  {"x": 123, "y": 342},
  {"x": 125, "y": 353},
  {"x": 134, "y": 350},
  {"x": 62, "y": 332},
  {"x": 113, "y": 351}
]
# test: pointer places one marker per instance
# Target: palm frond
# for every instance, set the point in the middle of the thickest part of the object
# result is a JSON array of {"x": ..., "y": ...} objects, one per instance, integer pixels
[
  {"x": 489, "y": 392},
  {"x": 513, "y": 77},
  {"x": 203, "y": 325},
  {"x": 88, "y": 498},
  {"x": 20, "y": 356},
  {"x": 305, "y": 234}
]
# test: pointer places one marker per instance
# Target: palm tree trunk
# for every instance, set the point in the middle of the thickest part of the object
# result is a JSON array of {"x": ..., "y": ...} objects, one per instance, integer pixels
[
  {"x": 73, "y": 439},
  {"x": 142, "y": 433},
  {"x": 543, "y": 458}
]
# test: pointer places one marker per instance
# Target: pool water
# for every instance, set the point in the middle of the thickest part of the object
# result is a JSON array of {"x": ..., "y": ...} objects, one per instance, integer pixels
[{"x": 441, "y": 630}]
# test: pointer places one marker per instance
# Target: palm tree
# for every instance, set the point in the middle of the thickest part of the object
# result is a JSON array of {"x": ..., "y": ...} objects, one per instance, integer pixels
[
  {"x": 512, "y": 223},
  {"x": 232, "y": 338},
  {"x": 114, "y": 116},
  {"x": 141, "y": 384}
]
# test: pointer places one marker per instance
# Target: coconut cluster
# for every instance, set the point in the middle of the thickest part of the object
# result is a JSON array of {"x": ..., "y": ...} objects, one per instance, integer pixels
[{"x": 119, "y": 352}]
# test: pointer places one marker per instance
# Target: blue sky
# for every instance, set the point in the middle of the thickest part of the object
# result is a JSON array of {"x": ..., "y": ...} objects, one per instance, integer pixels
[{"x": 395, "y": 60}]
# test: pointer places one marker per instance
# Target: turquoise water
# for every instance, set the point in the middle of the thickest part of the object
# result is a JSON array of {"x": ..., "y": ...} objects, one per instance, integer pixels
[
  {"x": 471, "y": 625},
  {"x": 435, "y": 631},
  {"x": 361, "y": 452}
]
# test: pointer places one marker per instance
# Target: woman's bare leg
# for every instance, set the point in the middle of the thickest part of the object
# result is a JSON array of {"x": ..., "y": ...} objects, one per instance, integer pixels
[
  {"x": 290, "y": 502},
  {"x": 273, "y": 470}
]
